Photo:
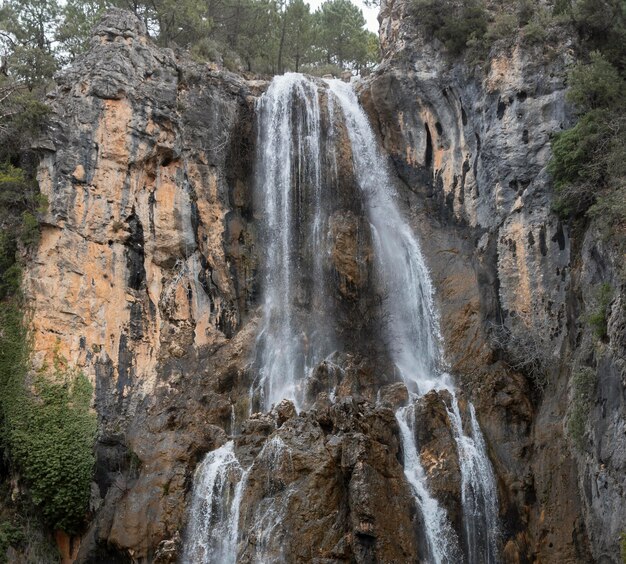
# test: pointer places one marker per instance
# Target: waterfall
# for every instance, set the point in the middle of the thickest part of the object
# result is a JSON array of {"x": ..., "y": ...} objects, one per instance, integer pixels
[
  {"x": 442, "y": 541},
  {"x": 295, "y": 333},
  {"x": 479, "y": 495},
  {"x": 414, "y": 341},
  {"x": 294, "y": 197},
  {"x": 212, "y": 532},
  {"x": 411, "y": 329}
]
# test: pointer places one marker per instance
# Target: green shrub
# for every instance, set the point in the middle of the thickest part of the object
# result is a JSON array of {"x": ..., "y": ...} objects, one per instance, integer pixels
[
  {"x": 537, "y": 28},
  {"x": 598, "y": 319},
  {"x": 10, "y": 535},
  {"x": 595, "y": 85},
  {"x": 577, "y": 162},
  {"x": 601, "y": 25},
  {"x": 49, "y": 428},
  {"x": 583, "y": 388},
  {"x": 207, "y": 49},
  {"x": 588, "y": 161},
  {"x": 503, "y": 26},
  {"x": 453, "y": 23}
]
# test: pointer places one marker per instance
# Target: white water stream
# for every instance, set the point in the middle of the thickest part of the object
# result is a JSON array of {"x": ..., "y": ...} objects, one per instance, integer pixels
[
  {"x": 296, "y": 330},
  {"x": 295, "y": 334},
  {"x": 212, "y": 532},
  {"x": 413, "y": 338}
]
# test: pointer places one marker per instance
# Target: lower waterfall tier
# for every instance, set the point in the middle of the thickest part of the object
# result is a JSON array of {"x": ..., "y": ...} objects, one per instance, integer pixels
[{"x": 347, "y": 480}]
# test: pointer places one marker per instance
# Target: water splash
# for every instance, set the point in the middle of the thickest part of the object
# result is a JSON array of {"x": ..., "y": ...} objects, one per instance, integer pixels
[
  {"x": 212, "y": 533},
  {"x": 296, "y": 334},
  {"x": 479, "y": 495}
]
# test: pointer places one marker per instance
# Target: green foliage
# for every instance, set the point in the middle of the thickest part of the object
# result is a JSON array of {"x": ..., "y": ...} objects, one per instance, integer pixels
[
  {"x": 583, "y": 389},
  {"x": 599, "y": 317},
  {"x": 49, "y": 428},
  {"x": 595, "y": 85},
  {"x": 267, "y": 36},
  {"x": 22, "y": 530},
  {"x": 323, "y": 70},
  {"x": 341, "y": 34},
  {"x": 10, "y": 535},
  {"x": 622, "y": 546},
  {"x": 602, "y": 26},
  {"x": 589, "y": 159},
  {"x": 454, "y": 23},
  {"x": 78, "y": 17},
  {"x": 539, "y": 24},
  {"x": 588, "y": 163},
  {"x": 20, "y": 204}
]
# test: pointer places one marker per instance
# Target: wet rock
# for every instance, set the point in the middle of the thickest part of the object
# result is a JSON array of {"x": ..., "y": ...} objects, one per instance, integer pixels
[
  {"x": 284, "y": 411},
  {"x": 350, "y": 254},
  {"x": 394, "y": 395},
  {"x": 438, "y": 452},
  {"x": 309, "y": 479},
  {"x": 168, "y": 550}
]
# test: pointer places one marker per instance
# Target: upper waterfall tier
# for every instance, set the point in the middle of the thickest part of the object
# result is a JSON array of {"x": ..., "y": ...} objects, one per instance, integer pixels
[
  {"x": 293, "y": 199},
  {"x": 309, "y": 133}
]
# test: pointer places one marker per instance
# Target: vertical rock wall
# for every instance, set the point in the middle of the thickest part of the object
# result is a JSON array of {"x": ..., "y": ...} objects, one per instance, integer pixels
[
  {"x": 145, "y": 278},
  {"x": 145, "y": 268},
  {"x": 143, "y": 251},
  {"x": 473, "y": 144}
]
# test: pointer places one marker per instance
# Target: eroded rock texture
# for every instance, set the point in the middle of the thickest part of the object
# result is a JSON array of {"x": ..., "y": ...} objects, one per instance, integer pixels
[
  {"x": 513, "y": 284},
  {"x": 145, "y": 272},
  {"x": 146, "y": 278}
]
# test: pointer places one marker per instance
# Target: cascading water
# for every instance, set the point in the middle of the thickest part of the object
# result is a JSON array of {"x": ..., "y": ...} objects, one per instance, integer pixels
[
  {"x": 442, "y": 542},
  {"x": 479, "y": 495},
  {"x": 295, "y": 200},
  {"x": 212, "y": 532},
  {"x": 295, "y": 335},
  {"x": 411, "y": 329},
  {"x": 413, "y": 338}
]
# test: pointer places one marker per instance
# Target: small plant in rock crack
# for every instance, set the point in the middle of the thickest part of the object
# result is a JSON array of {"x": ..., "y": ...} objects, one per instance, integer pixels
[
  {"x": 583, "y": 388},
  {"x": 598, "y": 319},
  {"x": 528, "y": 349}
]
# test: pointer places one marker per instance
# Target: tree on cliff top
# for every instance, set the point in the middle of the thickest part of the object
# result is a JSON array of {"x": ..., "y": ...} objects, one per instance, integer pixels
[{"x": 270, "y": 36}]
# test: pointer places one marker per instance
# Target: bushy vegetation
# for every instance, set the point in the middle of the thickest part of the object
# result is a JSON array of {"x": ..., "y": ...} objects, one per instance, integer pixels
[
  {"x": 264, "y": 36},
  {"x": 48, "y": 428},
  {"x": 469, "y": 27},
  {"x": 589, "y": 160},
  {"x": 21, "y": 531},
  {"x": 583, "y": 393},
  {"x": 10, "y": 535},
  {"x": 454, "y": 23},
  {"x": 598, "y": 318}
]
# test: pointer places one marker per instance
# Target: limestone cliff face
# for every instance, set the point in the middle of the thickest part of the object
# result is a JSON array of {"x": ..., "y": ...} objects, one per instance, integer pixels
[
  {"x": 144, "y": 267},
  {"x": 146, "y": 278},
  {"x": 514, "y": 286}
]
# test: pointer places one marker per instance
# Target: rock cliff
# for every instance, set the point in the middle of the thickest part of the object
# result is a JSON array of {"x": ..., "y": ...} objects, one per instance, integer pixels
[
  {"x": 516, "y": 287},
  {"x": 144, "y": 271},
  {"x": 146, "y": 277}
]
